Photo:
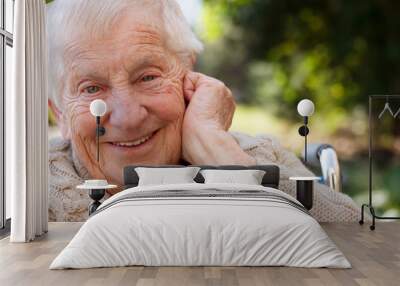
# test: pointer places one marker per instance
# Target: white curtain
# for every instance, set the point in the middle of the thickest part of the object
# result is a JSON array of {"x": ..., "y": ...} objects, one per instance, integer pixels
[{"x": 26, "y": 124}]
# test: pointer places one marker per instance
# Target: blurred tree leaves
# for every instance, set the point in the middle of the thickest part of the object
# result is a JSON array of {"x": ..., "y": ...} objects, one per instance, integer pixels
[{"x": 274, "y": 52}]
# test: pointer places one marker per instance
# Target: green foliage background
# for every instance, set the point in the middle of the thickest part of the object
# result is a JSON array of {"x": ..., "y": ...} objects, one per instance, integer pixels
[
  {"x": 335, "y": 52},
  {"x": 273, "y": 53}
]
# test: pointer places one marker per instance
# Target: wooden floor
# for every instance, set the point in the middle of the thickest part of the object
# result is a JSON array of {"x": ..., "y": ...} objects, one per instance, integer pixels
[{"x": 374, "y": 255}]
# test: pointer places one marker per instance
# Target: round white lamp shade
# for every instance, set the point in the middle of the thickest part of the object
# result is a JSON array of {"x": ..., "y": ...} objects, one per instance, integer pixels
[
  {"x": 98, "y": 107},
  {"x": 305, "y": 107}
]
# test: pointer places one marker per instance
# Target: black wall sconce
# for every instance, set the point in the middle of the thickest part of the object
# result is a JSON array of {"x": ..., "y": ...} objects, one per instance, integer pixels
[
  {"x": 98, "y": 108},
  {"x": 305, "y": 108}
]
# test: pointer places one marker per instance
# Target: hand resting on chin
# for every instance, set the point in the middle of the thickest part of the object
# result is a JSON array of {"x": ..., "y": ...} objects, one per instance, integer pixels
[{"x": 208, "y": 116}]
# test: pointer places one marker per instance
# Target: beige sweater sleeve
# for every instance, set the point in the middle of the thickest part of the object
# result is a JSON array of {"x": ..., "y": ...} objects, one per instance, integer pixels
[
  {"x": 328, "y": 205},
  {"x": 66, "y": 203}
]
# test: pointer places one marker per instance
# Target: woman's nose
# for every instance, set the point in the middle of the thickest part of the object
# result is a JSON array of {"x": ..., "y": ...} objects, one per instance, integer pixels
[{"x": 126, "y": 111}]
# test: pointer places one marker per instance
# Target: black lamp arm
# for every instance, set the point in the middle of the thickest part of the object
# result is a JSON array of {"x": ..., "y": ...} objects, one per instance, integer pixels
[
  {"x": 100, "y": 131},
  {"x": 303, "y": 131}
]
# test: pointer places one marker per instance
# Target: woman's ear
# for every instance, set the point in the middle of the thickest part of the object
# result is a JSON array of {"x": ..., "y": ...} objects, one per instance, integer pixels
[
  {"x": 60, "y": 119},
  {"x": 188, "y": 60}
]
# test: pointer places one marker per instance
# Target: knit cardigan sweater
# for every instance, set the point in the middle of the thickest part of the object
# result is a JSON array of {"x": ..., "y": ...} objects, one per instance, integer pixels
[{"x": 67, "y": 203}]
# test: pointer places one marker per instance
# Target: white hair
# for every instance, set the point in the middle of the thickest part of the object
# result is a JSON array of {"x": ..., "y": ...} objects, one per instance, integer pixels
[{"x": 66, "y": 18}]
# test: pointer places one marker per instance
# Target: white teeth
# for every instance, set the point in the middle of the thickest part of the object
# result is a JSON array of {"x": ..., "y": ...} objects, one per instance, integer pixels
[{"x": 133, "y": 143}]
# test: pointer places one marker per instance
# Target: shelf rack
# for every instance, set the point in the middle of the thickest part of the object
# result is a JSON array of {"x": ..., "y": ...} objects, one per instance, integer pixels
[{"x": 370, "y": 204}]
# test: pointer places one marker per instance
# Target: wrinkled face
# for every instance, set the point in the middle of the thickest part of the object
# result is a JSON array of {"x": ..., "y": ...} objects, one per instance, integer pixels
[{"x": 141, "y": 82}]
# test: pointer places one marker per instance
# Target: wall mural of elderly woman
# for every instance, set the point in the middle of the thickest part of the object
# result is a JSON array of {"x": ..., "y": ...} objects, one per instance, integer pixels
[{"x": 138, "y": 57}]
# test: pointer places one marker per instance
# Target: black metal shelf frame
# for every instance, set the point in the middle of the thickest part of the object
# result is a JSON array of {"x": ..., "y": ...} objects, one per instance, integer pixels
[{"x": 370, "y": 205}]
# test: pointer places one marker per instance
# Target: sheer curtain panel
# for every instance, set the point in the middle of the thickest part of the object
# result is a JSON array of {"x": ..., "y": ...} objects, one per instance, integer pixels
[{"x": 26, "y": 130}]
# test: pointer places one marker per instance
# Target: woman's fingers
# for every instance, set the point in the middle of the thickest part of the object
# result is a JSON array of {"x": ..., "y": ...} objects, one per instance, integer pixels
[{"x": 190, "y": 83}]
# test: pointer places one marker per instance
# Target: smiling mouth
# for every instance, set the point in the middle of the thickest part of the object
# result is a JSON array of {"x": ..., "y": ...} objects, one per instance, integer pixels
[{"x": 134, "y": 143}]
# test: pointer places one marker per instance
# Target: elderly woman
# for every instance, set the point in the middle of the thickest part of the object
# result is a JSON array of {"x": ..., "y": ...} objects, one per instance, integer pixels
[{"x": 138, "y": 57}]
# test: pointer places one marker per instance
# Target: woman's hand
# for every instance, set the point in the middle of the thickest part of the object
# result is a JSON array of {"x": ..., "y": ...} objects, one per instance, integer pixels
[{"x": 208, "y": 117}]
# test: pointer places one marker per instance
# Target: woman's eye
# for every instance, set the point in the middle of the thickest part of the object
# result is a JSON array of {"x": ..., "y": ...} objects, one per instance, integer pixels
[
  {"x": 148, "y": 78},
  {"x": 92, "y": 89}
]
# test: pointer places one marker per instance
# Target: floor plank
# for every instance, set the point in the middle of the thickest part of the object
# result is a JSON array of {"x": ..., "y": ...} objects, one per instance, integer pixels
[{"x": 374, "y": 255}]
